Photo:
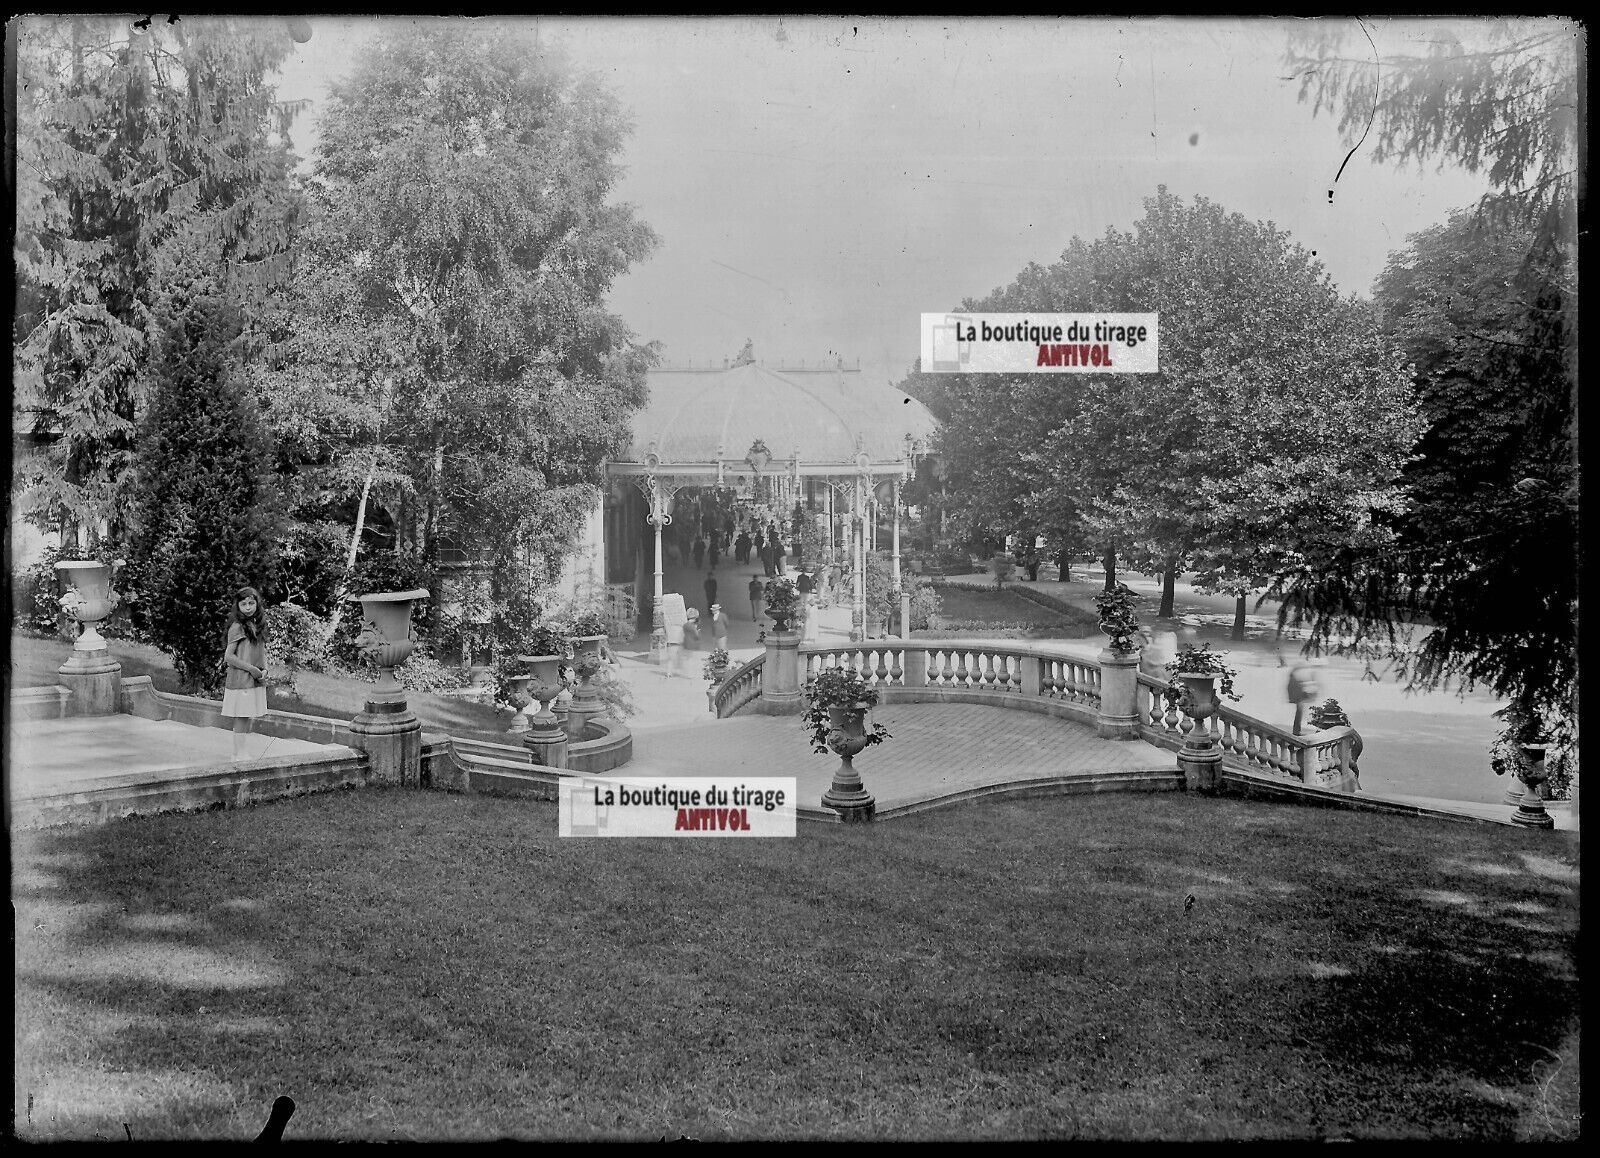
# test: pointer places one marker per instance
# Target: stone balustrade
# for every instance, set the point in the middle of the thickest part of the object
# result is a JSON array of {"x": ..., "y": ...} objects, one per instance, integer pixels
[
  {"x": 1318, "y": 759},
  {"x": 742, "y": 686},
  {"x": 1045, "y": 678}
]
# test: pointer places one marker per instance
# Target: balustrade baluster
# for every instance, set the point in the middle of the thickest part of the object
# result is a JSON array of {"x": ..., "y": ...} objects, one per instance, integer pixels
[
  {"x": 961, "y": 668},
  {"x": 882, "y": 670},
  {"x": 896, "y": 671},
  {"x": 1004, "y": 673},
  {"x": 987, "y": 678}
]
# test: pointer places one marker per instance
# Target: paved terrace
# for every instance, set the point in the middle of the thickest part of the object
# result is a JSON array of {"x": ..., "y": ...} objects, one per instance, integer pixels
[{"x": 938, "y": 754}]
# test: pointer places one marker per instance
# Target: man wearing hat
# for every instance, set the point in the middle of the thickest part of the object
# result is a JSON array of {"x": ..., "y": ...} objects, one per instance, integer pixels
[{"x": 719, "y": 626}]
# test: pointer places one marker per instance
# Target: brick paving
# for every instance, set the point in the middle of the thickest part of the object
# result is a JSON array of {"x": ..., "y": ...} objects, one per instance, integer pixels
[{"x": 934, "y": 751}]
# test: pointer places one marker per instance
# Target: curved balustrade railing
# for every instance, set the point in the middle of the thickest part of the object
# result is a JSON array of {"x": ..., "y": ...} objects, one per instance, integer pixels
[
  {"x": 962, "y": 666},
  {"x": 1034, "y": 672},
  {"x": 1320, "y": 759},
  {"x": 742, "y": 685}
]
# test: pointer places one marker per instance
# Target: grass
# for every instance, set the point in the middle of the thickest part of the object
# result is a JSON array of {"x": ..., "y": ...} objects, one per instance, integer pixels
[
  {"x": 973, "y": 611},
  {"x": 421, "y": 965}
]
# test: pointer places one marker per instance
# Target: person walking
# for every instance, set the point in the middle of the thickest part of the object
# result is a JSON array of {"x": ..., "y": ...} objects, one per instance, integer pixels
[
  {"x": 777, "y": 555},
  {"x": 1302, "y": 691},
  {"x": 699, "y": 553},
  {"x": 719, "y": 627},
  {"x": 741, "y": 549},
  {"x": 244, "y": 654},
  {"x": 711, "y": 590},
  {"x": 715, "y": 551},
  {"x": 757, "y": 596},
  {"x": 766, "y": 559}
]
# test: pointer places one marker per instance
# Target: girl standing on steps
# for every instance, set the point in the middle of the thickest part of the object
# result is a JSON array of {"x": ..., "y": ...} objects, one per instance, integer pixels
[{"x": 244, "y": 693}]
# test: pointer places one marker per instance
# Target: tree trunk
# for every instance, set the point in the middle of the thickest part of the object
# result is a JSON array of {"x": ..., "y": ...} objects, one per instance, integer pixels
[
  {"x": 1169, "y": 582},
  {"x": 342, "y": 592},
  {"x": 1064, "y": 564},
  {"x": 1109, "y": 562},
  {"x": 430, "y": 529},
  {"x": 1238, "y": 617}
]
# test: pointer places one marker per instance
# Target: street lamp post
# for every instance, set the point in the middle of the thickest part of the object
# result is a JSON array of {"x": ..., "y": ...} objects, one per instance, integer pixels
[{"x": 660, "y": 497}]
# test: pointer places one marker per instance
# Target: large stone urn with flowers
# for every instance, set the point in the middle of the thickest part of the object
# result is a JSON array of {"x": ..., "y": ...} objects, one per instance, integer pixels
[
  {"x": 388, "y": 731},
  {"x": 93, "y": 677},
  {"x": 546, "y": 737},
  {"x": 1197, "y": 674},
  {"x": 837, "y": 700},
  {"x": 780, "y": 682},
  {"x": 1119, "y": 663}
]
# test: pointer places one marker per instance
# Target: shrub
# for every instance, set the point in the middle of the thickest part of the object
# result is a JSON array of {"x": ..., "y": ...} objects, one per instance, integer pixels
[
  {"x": 1524, "y": 727},
  {"x": 837, "y": 687},
  {"x": 925, "y": 600},
  {"x": 1200, "y": 660},
  {"x": 614, "y": 693},
  {"x": 717, "y": 664},
  {"x": 376, "y": 571},
  {"x": 1118, "y": 618},
  {"x": 422, "y": 672},
  {"x": 206, "y": 507},
  {"x": 879, "y": 586}
]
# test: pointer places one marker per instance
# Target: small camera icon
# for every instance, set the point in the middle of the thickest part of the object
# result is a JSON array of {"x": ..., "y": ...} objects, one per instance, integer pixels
[{"x": 950, "y": 349}]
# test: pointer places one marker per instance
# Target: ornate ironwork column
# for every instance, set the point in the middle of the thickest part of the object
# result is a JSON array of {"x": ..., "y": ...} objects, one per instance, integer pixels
[{"x": 660, "y": 495}]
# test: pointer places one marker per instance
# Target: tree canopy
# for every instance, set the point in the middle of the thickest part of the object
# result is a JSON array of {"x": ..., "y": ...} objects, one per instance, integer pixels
[
  {"x": 140, "y": 147},
  {"x": 1277, "y": 424},
  {"x": 465, "y": 172},
  {"x": 1485, "y": 305}
]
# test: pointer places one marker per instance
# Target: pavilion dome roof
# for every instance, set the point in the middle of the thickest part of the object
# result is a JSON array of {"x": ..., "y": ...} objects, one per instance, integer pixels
[{"x": 704, "y": 415}]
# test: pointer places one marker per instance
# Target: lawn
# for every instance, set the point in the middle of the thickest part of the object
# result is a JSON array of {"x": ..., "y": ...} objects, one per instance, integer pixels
[
  {"x": 430, "y": 966},
  {"x": 1001, "y": 613}
]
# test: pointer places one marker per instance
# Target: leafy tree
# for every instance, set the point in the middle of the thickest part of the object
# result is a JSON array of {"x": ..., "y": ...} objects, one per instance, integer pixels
[
  {"x": 138, "y": 145},
  {"x": 1505, "y": 105},
  {"x": 1487, "y": 557},
  {"x": 1277, "y": 423},
  {"x": 468, "y": 169},
  {"x": 206, "y": 511}
]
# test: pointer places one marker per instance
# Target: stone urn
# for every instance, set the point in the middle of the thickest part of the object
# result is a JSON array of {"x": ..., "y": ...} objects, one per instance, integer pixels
[
  {"x": 1199, "y": 757},
  {"x": 1530, "y": 811},
  {"x": 585, "y": 697},
  {"x": 544, "y": 685},
  {"x": 519, "y": 691},
  {"x": 1200, "y": 696},
  {"x": 386, "y": 636},
  {"x": 90, "y": 581},
  {"x": 847, "y": 735}
]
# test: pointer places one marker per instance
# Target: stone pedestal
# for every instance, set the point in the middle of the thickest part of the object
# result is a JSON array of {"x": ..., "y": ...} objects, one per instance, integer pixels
[
  {"x": 1201, "y": 767},
  {"x": 94, "y": 679},
  {"x": 578, "y": 717},
  {"x": 584, "y": 706},
  {"x": 1119, "y": 695},
  {"x": 780, "y": 675},
  {"x": 391, "y": 736},
  {"x": 546, "y": 741}
]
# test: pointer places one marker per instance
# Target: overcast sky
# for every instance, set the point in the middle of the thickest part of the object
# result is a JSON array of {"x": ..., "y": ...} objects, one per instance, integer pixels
[{"x": 820, "y": 182}]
